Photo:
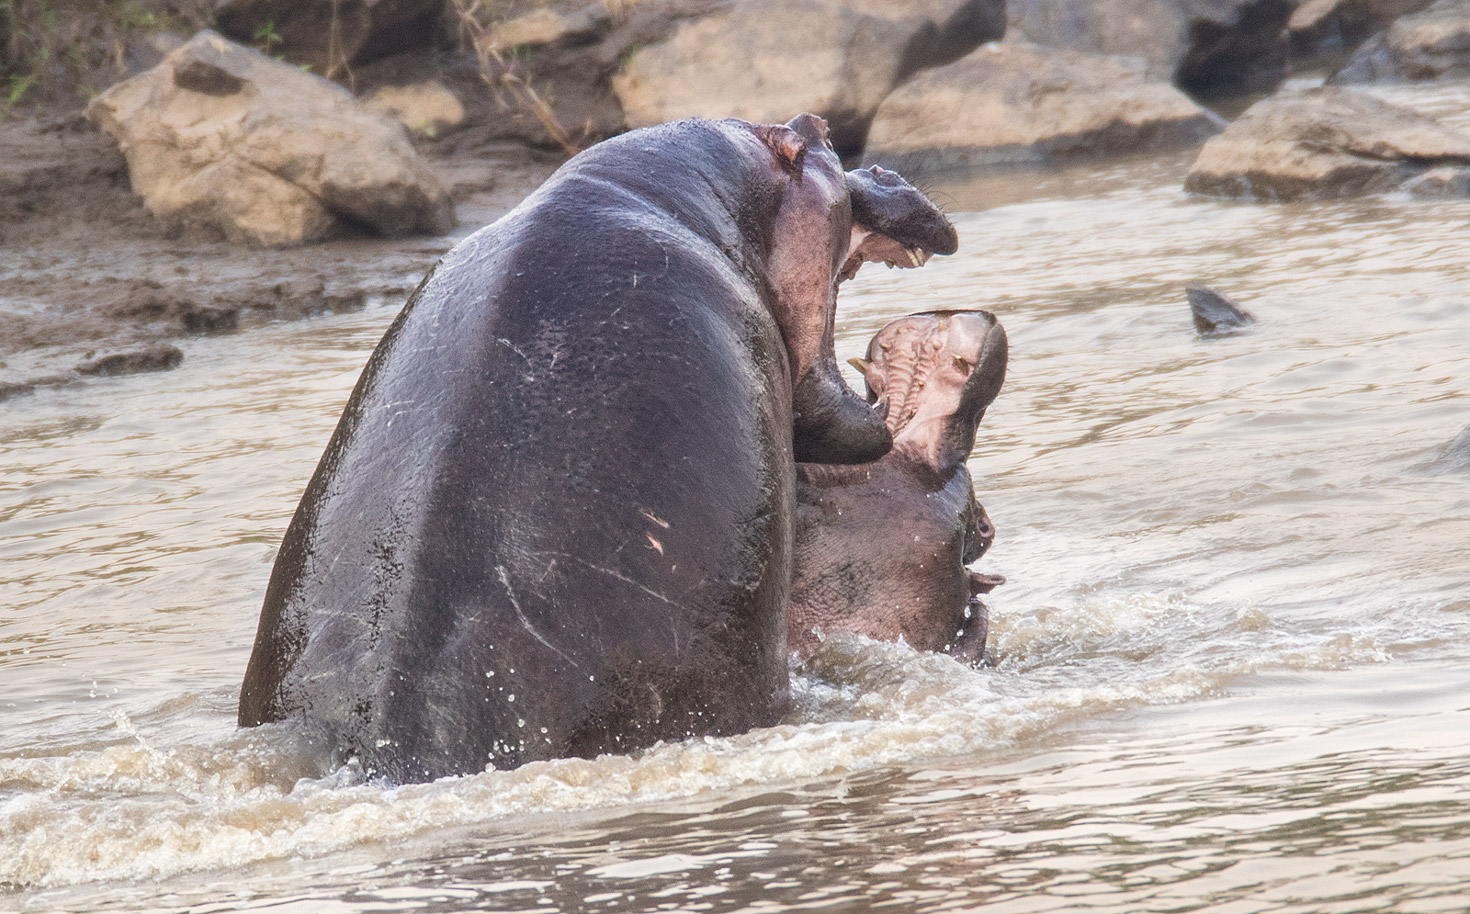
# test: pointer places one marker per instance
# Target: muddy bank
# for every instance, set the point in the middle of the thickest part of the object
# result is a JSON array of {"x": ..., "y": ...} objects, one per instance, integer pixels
[{"x": 86, "y": 272}]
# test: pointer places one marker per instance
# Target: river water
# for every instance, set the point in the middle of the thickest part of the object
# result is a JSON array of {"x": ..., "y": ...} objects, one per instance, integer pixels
[{"x": 1233, "y": 657}]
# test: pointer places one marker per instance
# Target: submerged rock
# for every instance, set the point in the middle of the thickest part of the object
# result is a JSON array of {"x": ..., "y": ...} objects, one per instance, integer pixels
[
  {"x": 1209, "y": 47},
  {"x": 1442, "y": 182},
  {"x": 1431, "y": 44},
  {"x": 765, "y": 61},
  {"x": 1320, "y": 144},
  {"x": 1214, "y": 314},
  {"x": 1012, "y": 103},
  {"x": 158, "y": 357},
  {"x": 1457, "y": 455},
  {"x": 223, "y": 136}
]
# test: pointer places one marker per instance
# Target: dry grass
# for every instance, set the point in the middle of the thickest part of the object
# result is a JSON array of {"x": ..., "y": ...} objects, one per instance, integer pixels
[{"x": 500, "y": 73}]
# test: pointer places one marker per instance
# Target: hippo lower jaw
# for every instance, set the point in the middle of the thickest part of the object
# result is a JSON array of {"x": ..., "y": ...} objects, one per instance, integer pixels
[{"x": 833, "y": 424}]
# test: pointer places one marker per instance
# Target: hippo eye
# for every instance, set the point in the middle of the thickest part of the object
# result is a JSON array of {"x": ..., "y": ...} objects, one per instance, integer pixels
[{"x": 962, "y": 365}]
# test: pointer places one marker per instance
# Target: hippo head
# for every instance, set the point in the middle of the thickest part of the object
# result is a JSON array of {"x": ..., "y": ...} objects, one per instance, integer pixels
[
  {"x": 935, "y": 373},
  {"x": 829, "y": 223}
]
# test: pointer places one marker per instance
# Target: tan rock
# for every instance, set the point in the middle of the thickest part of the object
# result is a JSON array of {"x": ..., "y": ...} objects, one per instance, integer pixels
[
  {"x": 548, "y": 26},
  {"x": 1010, "y": 103},
  {"x": 425, "y": 108},
  {"x": 1323, "y": 143},
  {"x": 223, "y": 136},
  {"x": 1330, "y": 26},
  {"x": 1209, "y": 46},
  {"x": 767, "y": 60},
  {"x": 1431, "y": 44}
]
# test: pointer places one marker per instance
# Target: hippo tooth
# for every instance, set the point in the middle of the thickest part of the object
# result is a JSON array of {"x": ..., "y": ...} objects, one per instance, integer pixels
[{"x": 916, "y": 256}]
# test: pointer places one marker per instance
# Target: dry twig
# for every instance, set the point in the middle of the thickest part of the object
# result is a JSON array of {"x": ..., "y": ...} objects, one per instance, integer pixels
[{"x": 498, "y": 74}]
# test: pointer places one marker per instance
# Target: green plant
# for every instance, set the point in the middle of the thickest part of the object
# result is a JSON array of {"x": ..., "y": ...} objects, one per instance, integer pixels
[
  {"x": 19, "y": 83},
  {"x": 266, "y": 37}
]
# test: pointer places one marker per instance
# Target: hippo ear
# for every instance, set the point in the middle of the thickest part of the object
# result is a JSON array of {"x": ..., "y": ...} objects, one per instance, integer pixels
[{"x": 785, "y": 144}]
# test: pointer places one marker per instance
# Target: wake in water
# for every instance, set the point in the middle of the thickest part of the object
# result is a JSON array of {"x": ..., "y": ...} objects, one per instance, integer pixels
[{"x": 140, "y": 808}]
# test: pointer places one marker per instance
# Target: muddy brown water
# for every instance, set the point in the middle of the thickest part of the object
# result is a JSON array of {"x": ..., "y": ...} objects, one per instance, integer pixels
[{"x": 1232, "y": 656}]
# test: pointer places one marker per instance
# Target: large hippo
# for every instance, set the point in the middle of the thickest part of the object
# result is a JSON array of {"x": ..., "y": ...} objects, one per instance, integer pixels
[
  {"x": 556, "y": 516},
  {"x": 882, "y": 549}
]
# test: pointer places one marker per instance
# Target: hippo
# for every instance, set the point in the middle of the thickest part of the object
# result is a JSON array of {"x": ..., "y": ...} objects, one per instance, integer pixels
[
  {"x": 555, "y": 518},
  {"x": 882, "y": 549}
]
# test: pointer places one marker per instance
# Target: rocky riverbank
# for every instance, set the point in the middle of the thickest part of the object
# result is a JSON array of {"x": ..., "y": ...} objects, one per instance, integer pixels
[
  {"x": 377, "y": 133},
  {"x": 86, "y": 272}
]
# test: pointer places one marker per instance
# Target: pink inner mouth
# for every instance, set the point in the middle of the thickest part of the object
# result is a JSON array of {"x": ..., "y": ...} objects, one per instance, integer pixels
[{"x": 871, "y": 247}]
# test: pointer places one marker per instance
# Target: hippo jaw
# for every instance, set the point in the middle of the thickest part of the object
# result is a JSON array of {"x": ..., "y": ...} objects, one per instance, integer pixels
[
  {"x": 828, "y": 223},
  {"x": 935, "y": 374},
  {"x": 893, "y": 223}
]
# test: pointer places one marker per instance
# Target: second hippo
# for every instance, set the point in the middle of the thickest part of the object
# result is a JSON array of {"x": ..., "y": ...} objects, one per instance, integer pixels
[{"x": 882, "y": 548}]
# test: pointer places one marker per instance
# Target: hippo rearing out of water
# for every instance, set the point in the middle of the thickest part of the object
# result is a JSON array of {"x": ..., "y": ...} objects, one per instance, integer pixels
[
  {"x": 556, "y": 516},
  {"x": 881, "y": 549}
]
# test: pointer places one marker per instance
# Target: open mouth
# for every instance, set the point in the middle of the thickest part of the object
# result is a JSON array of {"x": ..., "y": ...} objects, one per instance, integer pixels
[{"x": 868, "y": 246}]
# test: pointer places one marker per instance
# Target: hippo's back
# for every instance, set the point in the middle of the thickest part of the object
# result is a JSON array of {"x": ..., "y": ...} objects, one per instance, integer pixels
[{"x": 553, "y": 519}]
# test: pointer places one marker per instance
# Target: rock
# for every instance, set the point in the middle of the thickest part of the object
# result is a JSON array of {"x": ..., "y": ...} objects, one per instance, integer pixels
[
  {"x": 1323, "y": 143},
  {"x": 768, "y": 60},
  {"x": 1431, "y": 44},
  {"x": 1457, "y": 455},
  {"x": 329, "y": 35},
  {"x": 426, "y": 108},
  {"x": 1323, "y": 27},
  {"x": 158, "y": 357},
  {"x": 288, "y": 158},
  {"x": 548, "y": 26},
  {"x": 1214, "y": 314},
  {"x": 1206, "y": 47},
  {"x": 1443, "y": 182},
  {"x": 1008, "y": 103}
]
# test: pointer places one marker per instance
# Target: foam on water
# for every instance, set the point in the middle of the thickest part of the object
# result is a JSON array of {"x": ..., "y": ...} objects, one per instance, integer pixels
[{"x": 136, "y": 810}]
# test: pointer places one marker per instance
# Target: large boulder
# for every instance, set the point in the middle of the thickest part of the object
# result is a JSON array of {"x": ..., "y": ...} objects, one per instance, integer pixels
[
  {"x": 1326, "y": 27},
  {"x": 329, "y": 35},
  {"x": 223, "y": 136},
  {"x": 1208, "y": 47},
  {"x": 1323, "y": 143},
  {"x": 1010, "y": 103},
  {"x": 767, "y": 60},
  {"x": 1430, "y": 44}
]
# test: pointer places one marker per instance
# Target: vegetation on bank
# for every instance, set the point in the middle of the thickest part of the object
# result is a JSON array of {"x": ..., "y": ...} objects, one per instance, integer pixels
[{"x": 55, "y": 55}]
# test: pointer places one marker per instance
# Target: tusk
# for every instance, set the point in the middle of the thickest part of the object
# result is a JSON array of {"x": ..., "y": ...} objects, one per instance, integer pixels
[
  {"x": 914, "y": 256},
  {"x": 861, "y": 365}
]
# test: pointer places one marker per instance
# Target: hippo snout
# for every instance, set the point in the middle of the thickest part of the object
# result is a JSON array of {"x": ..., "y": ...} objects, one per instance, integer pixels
[{"x": 886, "y": 204}]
